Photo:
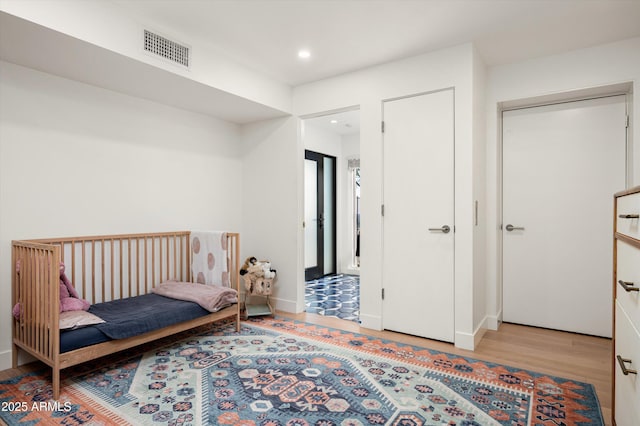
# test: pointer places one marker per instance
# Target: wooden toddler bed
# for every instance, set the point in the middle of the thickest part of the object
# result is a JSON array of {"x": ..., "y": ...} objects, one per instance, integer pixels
[{"x": 109, "y": 268}]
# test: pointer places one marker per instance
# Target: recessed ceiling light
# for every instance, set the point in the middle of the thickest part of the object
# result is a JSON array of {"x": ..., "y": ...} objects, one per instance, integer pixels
[
  {"x": 304, "y": 54},
  {"x": 334, "y": 121}
]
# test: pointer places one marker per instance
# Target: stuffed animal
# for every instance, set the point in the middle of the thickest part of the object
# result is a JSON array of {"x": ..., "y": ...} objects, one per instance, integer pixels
[
  {"x": 265, "y": 285},
  {"x": 258, "y": 276},
  {"x": 247, "y": 263},
  {"x": 267, "y": 271},
  {"x": 249, "y": 283},
  {"x": 259, "y": 286},
  {"x": 69, "y": 299},
  {"x": 260, "y": 268}
]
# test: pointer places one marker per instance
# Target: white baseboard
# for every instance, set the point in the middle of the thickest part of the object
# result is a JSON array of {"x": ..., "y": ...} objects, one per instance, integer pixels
[
  {"x": 5, "y": 360},
  {"x": 479, "y": 332},
  {"x": 284, "y": 305},
  {"x": 464, "y": 341},
  {"x": 373, "y": 322},
  {"x": 469, "y": 341},
  {"x": 494, "y": 321}
]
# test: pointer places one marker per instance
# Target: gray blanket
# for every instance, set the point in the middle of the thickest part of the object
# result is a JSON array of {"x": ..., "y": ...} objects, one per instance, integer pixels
[{"x": 140, "y": 314}]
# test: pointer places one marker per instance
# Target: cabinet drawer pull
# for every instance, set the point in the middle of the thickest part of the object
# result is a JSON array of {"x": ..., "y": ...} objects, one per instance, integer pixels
[
  {"x": 623, "y": 367},
  {"x": 629, "y": 216},
  {"x": 628, "y": 286}
]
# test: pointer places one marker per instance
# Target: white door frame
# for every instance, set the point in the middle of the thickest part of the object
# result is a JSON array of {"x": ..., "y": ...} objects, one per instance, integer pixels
[
  {"x": 300, "y": 287},
  {"x": 562, "y": 97}
]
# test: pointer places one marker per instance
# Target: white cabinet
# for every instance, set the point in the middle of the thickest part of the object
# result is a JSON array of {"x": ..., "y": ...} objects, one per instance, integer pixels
[
  {"x": 627, "y": 221},
  {"x": 626, "y": 338}
]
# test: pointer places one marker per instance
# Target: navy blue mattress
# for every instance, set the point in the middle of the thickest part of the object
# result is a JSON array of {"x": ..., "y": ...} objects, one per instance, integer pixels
[{"x": 130, "y": 317}]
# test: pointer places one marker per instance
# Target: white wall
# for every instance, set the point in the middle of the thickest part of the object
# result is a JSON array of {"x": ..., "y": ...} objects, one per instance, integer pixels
[
  {"x": 576, "y": 70},
  {"x": 480, "y": 318},
  {"x": 317, "y": 139},
  {"x": 79, "y": 160},
  {"x": 445, "y": 68},
  {"x": 271, "y": 196}
]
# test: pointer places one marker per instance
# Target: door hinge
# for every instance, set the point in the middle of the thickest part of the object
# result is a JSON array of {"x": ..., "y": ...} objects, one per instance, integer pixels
[
  {"x": 382, "y": 127},
  {"x": 626, "y": 123},
  {"x": 383, "y": 294},
  {"x": 382, "y": 209}
]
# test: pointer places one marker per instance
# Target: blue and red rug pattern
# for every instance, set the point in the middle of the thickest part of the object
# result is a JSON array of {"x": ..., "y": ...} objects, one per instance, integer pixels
[{"x": 278, "y": 372}]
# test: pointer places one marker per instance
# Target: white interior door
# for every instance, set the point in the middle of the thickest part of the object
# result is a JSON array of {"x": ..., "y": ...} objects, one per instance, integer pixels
[
  {"x": 418, "y": 196},
  {"x": 561, "y": 165}
]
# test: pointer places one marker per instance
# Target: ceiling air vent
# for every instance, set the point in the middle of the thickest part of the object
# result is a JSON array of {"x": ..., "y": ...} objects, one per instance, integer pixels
[{"x": 168, "y": 49}]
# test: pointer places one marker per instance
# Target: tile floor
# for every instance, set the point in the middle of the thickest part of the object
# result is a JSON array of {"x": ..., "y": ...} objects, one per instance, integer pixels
[{"x": 335, "y": 296}]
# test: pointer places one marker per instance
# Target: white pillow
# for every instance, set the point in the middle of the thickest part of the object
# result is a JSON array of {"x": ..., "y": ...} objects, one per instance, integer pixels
[{"x": 76, "y": 319}]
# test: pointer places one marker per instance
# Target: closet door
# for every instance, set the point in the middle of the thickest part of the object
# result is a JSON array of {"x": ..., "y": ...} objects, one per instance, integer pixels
[
  {"x": 560, "y": 165},
  {"x": 418, "y": 228}
]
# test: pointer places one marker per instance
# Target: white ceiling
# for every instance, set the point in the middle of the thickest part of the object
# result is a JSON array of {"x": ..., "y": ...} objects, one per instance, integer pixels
[
  {"x": 342, "y": 35},
  {"x": 346, "y": 35},
  {"x": 342, "y": 123}
]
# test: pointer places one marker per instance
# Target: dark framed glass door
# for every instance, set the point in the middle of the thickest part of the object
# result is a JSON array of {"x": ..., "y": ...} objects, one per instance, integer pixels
[{"x": 320, "y": 214}]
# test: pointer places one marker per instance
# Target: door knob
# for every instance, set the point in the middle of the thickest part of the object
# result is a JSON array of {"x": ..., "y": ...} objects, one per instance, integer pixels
[
  {"x": 510, "y": 228},
  {"x": 445, "y": 229}
]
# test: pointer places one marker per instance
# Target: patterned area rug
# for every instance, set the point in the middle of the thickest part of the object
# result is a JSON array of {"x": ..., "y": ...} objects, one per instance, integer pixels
[{"x": 278, "y": 372}]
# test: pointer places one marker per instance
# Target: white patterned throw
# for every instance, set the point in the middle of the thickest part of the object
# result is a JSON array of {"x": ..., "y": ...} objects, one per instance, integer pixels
[{"x": 209, "y": 258}]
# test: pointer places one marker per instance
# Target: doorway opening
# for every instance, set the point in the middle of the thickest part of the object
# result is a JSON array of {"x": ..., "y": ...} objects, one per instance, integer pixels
[{"x": 332, "y": 214}]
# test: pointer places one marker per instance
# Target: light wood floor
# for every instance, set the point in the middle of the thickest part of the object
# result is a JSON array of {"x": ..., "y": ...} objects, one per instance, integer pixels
[{"x": 572, "y": 356}]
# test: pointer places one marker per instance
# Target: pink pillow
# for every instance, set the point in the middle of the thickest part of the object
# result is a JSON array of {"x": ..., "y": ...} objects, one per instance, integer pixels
[{"x": 71, "y": 320}]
